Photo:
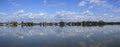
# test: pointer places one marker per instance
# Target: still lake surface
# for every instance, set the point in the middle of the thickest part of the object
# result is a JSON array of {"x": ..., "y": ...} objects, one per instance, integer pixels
[{"x": 55, "y": 36}]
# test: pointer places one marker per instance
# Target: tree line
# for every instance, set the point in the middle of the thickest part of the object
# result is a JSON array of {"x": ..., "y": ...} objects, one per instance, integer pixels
[{"x": 61, "y": 23}]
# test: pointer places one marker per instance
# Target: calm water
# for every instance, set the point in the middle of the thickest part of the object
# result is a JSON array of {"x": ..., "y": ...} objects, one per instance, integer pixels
[{"x": 55, "y": 36}]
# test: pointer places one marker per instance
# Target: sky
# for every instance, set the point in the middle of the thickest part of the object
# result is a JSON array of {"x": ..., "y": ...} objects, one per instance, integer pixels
[{"x": 57, "y": 10}]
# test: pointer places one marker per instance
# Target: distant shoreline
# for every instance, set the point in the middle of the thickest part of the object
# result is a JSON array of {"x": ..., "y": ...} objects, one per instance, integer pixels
[{"x": 62, "y": 23}]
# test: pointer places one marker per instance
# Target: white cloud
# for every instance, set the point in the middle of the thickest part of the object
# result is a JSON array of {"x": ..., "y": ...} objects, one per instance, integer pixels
[
  {"x": 65, "y": 13},
  {"x": 18, "y": 13},
  {"x": 22, "y": 16},
  {"x": 82, "y": 3},
  {"x": 37, "y": 15},
  {"x": 14, "y": 4},
  {"x": 94, "y": 1},
  {"x": 61, "y": 15},
  {"x": 88, "y": 12},
  {"x": 84, "y": 16},
  {"x": 98, "y": 2},
  {"x": 3, "y": 14},
  {"x": 117, "y": 10},
  {"x": 56, "y": 4},
  {"x": 53, "y": 3}
]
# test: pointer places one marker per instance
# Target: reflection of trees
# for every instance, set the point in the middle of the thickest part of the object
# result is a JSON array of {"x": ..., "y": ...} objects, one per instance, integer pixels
[
  {"x": 86, "y": 37},
  {"x": 81, "y": 35}
]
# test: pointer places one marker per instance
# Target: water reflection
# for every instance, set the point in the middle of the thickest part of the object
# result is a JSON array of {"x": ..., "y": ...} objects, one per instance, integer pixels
[{"x": 55, "y": 36}]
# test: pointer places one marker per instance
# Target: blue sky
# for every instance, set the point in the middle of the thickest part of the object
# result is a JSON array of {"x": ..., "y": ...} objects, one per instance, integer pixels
[{"x": 56, "y": 10}]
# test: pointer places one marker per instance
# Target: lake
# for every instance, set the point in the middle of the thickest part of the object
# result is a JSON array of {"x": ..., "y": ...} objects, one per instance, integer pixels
[{"x": 55, "y": 36}]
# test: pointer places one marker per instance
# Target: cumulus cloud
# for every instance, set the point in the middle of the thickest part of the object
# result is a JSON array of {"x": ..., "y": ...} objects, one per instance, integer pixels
[
  {"x": 82, "y": 3},
  {"x": 88, "y": 12},
  {"x": 56, "y": 4},
  {"x": 105, "y": 5},
  {"x": 61, "y": 15},
  {"x": 65, "y": 13},
  {"x": 117, "y": 10},
  {"x": 96, "y": 3},
  {"x": 84, "y": 16},
  {"x": 3, "y": 17},
  {"x": 21, "y": 13},
  {"x": 37, "y": 15},
  {"x": 100, "y": 4},
  {"x": 3, "y": 14},
  {"x": 18, "y": 13},
  {"x": 66, "y": 16}
]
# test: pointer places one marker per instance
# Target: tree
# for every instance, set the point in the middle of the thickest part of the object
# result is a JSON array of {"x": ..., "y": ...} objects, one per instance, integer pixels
[{"x": 62, "y": 24}]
